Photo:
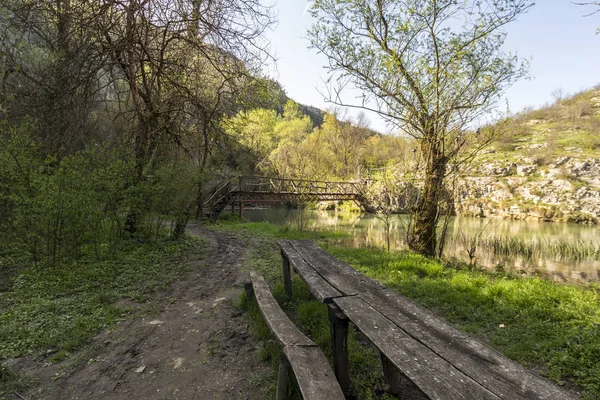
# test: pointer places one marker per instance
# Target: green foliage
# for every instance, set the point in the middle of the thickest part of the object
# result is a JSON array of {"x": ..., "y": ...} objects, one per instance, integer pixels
[
  {"x": 288, "y": 146},
  {"x": 59, "y": 209},
  {"x": 571, "y": 122}
]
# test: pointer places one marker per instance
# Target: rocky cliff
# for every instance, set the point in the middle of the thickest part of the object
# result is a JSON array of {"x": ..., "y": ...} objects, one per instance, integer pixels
[
  {"x": 546, "y": 167},
  {"x": 565, "y": 190}
]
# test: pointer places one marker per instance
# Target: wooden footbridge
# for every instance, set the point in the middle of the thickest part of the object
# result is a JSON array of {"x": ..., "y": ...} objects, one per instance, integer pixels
[{"x": 261, "y": 189}]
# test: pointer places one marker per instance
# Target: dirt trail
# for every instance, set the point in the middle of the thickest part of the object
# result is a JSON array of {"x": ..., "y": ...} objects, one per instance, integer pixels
[{"x": 196, "y": 347}]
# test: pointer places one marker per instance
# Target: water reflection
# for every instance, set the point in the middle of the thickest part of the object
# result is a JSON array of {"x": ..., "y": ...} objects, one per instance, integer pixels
[{"x": 369, "y": 231}]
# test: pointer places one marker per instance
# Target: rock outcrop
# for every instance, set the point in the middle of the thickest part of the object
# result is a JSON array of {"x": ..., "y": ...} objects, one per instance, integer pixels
[{"x": 565, "y": 189}]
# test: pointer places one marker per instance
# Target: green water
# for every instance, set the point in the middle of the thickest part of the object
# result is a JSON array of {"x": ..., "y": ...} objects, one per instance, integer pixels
[{"x": 368, "y": 230}]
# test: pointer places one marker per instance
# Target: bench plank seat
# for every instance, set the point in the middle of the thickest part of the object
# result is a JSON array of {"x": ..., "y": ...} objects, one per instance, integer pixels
[
  {"x": 314, "y": 375},
  {"x": 314, "y": 381},
  {"x": 472, "y": 360},
  {"x": 279, "y": 323}
]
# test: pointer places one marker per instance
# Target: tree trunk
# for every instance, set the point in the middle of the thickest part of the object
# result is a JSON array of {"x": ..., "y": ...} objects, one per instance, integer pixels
[
  {"x": 423, "y": 238},
  {"x": 199, "y": 199}
]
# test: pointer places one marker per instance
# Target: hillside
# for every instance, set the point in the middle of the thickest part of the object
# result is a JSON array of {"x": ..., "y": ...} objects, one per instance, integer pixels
[{"x": 546, "y": 166}]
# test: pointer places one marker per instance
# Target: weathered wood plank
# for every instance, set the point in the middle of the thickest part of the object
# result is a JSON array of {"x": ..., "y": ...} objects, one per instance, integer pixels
[
  {"x": 319, "y": 288},
  {"x": 313, "y": 373},
  {"x": 285, "y": 331},
  {"x": 436, "y": 377},
  {"x": 338, "y": 327},
  {"x": 341, "y": 276},
  {"x": 504, "y": 377}
]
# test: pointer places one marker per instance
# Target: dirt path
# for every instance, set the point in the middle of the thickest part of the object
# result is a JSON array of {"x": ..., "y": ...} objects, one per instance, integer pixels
[{"x": 196, "y": 347}]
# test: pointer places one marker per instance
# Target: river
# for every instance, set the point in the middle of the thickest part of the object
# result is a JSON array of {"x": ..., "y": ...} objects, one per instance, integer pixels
[{"x": 558, "y": 251}]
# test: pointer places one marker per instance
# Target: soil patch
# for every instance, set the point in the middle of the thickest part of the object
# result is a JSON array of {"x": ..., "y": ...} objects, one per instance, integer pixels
[{"x": 197, "y": 346}]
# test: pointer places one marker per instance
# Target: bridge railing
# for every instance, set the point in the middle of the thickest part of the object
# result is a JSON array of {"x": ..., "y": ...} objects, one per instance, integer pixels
[{"x": 296, "y": 186}]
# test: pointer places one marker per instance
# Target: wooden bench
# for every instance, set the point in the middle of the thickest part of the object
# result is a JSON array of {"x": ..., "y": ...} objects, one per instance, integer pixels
[
  {"x": 422, "y": 354},
  {"x": 314, "y": 375}
]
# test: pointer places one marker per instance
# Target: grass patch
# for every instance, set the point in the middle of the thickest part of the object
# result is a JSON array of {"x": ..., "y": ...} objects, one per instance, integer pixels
[
  {"x": 11, "y": 382},
  {"x": 311, "y": 317},
  {"x": 550, "y": 327},
  {"x": 539, "y": 323},
  {"x": 532, "y": 248},
  {"x": 58, "y": 310},
  {"x": 272, "y": 231}
]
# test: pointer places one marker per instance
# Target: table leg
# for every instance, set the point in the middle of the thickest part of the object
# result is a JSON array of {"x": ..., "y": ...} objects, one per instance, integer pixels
[
  {"x": 339, "y": 338},
  {"x": 287, "y": 276}
]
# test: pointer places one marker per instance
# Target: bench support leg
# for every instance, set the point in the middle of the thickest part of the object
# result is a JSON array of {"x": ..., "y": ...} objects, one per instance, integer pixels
[
  {"x": 339, "y": 338},
  {"x": 391, "y": 375},
  {"x": 287, "y": 276},
  {"x": 283, "y": 377},
  {"x": 249, "y": 290}
]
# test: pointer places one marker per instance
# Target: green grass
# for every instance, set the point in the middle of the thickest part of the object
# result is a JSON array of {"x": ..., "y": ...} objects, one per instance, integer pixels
[
  {"x": 268, "y": 230},
  {"x": 311, "y": 316},
  {"x": 57, "y": 310},
  {"x": 550, "y": 327}
]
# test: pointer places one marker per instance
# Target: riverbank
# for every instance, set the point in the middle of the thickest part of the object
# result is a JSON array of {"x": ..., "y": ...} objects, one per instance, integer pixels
[
  {"x": 563, "y": 252},
  {"x": 551, "y": 328}
]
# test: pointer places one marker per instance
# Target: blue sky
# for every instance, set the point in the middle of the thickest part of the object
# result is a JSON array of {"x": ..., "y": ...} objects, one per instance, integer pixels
[{"x": 561, "y": 44}]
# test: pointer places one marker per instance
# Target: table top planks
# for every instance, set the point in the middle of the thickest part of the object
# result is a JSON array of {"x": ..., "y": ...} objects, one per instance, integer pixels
[
  {"x": 370, "y": 303},
  {"x": 338, "y": 274},
  {"x": 436, "y": 377},
  {"x": 319, "y": 287},
  {"x": 492, "y": 369}
]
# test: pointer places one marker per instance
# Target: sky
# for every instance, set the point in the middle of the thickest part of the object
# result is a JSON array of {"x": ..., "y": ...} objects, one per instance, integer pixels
[{"x": 560, "y": 43}]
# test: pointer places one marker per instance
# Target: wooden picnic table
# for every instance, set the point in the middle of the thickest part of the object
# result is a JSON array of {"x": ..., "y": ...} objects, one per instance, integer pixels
[{"x": 420, "y": 351}]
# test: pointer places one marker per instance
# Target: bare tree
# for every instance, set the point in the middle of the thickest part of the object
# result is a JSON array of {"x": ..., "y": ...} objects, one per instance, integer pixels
[
  {"x": 431, "y": 68},
  {"x": 590, "y": 3},
  {"x": 183, "y": 64},
  {"x": 158, "y": 73}
]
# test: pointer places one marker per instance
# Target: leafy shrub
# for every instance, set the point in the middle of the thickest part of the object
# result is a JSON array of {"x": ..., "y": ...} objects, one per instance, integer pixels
[{"x": 55, "y": 209}]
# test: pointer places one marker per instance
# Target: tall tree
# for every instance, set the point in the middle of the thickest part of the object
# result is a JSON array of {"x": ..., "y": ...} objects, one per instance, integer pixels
[
  {"x": 184, "y": 64},
  {"x": 431, "y": 68}
]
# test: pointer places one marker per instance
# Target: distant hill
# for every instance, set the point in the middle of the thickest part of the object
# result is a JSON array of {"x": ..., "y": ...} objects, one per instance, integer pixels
[
  {"x": 277, "y": 97},
  {"x": 546, "y": 167}
]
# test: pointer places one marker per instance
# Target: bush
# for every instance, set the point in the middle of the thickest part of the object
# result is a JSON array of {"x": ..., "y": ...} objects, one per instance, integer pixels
[{"x": 52, "y": 209}]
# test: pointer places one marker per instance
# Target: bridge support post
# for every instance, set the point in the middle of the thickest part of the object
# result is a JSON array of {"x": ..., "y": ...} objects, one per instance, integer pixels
[
  {"x": 241, "y": 209},
  {"x": 232, "y": 207}
]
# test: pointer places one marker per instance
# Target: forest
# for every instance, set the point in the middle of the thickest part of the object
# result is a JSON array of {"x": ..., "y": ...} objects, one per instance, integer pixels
[{"x": 117, "y": 119}]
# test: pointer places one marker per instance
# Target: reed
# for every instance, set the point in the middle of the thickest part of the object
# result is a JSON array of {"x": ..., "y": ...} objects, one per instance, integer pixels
[{"x": 531, "y": 248}]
